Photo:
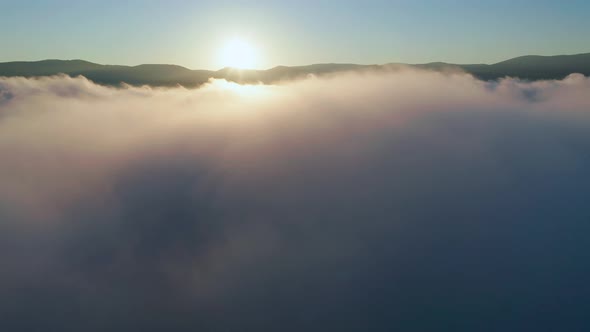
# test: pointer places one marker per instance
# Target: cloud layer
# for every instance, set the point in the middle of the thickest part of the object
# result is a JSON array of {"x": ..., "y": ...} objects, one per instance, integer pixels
[{"x": 411, "y": 201}]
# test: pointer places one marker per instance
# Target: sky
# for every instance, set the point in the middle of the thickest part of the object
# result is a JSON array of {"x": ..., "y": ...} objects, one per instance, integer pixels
[{"x": 191, "y": 33}]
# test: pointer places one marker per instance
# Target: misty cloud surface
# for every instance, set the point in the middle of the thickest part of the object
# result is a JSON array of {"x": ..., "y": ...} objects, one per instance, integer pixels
[{"x": 408, "y": 201}]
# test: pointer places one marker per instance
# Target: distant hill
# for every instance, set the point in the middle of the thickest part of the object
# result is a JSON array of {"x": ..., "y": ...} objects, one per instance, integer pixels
[{"x": 525, "y": 67}]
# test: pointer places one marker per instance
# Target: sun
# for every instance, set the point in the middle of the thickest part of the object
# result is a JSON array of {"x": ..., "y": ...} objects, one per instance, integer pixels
[{"x": 238, "y": 53}]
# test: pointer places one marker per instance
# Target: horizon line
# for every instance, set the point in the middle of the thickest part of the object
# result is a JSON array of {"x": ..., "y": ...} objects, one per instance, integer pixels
[{"x": 292, "y": 66}]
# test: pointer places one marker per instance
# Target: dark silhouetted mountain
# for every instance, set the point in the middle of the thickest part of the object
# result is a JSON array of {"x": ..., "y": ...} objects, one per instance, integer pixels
[
  {"x": 525, "y": 67},
  {"x": 48, "y": 67},
  {"x": 536, "y": 67}
]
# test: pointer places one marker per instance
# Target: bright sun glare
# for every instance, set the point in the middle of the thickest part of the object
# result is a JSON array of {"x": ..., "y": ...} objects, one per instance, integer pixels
[{"x": 238, "y": 53}]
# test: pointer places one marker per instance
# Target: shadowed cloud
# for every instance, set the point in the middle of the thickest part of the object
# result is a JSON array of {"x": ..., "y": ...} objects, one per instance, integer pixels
[{"x": 411, "y": 201}]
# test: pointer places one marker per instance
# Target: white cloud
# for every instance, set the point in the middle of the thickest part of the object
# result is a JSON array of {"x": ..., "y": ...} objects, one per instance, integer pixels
[{"x": 204, "y": 196}]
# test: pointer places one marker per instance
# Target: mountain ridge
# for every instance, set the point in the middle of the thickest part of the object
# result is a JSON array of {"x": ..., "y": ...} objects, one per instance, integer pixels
[{"x": 528, "y": 67}]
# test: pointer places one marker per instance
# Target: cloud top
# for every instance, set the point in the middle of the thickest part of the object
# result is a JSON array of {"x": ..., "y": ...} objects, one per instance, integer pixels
[{"x": 411, "y": 200}]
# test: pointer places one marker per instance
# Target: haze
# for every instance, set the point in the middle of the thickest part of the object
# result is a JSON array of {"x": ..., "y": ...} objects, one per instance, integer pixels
[{"x": 303, "y": 32}]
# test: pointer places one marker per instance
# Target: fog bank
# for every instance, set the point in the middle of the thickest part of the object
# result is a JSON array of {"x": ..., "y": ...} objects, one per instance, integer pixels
[{"x": 411, "y": 201}]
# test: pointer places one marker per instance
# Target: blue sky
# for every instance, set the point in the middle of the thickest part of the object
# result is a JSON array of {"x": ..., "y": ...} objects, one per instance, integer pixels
[{"x": 189, "y": 33}]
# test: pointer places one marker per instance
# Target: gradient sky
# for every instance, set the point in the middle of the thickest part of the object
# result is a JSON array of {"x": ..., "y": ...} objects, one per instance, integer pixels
[{"x": 190, "y": 33}]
